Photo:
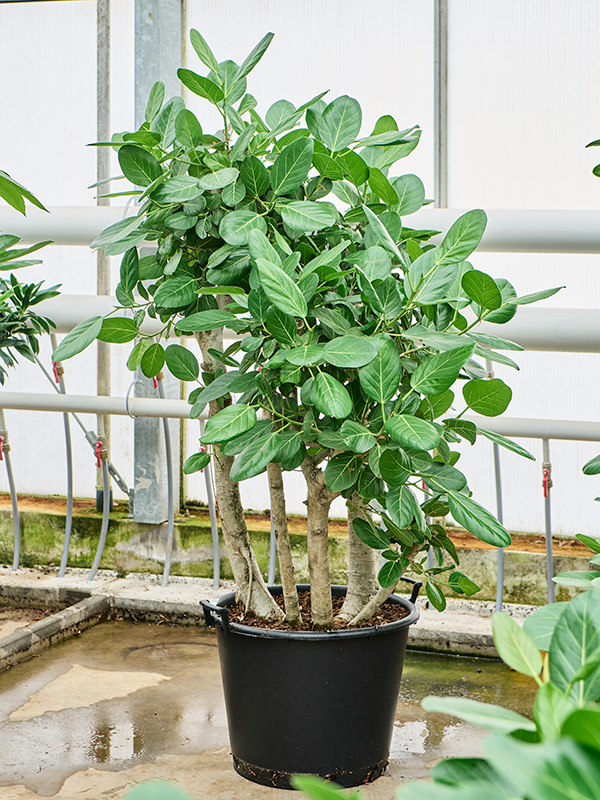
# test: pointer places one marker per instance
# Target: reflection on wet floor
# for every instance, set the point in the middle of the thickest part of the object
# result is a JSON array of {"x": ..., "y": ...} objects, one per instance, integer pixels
[{"x": 181, "y": 712}]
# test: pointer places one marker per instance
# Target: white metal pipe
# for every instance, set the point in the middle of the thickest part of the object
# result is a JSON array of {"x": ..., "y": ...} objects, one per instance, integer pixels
[
  {"x": 84, "y": 404},
  {"x": 539, "y": 428},
  {"x": 508, "y": 230},
  {"x": 572, "y": 330},
  {"x": 65, "y": 225},
  {"x": 68, "y": 310},
  {"x": 522, "y": 230}
]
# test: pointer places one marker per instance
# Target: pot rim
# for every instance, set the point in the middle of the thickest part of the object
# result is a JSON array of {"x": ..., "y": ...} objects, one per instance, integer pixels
[{"x": 352, "y": 633}]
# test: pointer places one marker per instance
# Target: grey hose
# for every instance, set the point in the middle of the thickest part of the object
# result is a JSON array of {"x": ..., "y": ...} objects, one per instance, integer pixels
[{"x": 105, "y": 505}]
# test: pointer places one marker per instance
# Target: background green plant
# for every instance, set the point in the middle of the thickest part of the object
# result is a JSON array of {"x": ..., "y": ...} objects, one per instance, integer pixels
[{"x": 354, "y": 329}]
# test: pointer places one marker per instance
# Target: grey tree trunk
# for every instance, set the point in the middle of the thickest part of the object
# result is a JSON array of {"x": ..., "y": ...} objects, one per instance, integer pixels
[
  {"x": 284, "y": 550},
  {"x": 251, "y": 587},
  {"x": 319, "y": 500},
  {"x": 362, "y": 569}
]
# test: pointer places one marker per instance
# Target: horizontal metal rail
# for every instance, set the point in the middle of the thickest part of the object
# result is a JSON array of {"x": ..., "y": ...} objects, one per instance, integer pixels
[{"x": 508, "y": 230}]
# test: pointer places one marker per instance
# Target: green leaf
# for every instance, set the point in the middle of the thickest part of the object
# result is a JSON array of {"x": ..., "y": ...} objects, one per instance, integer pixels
[
  {"x": 493, "y": 341},
  {"x": 138, "y": 165},
  {"x": 583, "y": 725},
  {"x": 157, "y": 790},
  {"x": 236, "y": 226},
  {"x": 592, "y": 467},
  {"x": 232, "y": 421},
  {"x": 316, "y": 788},
  {"x": 435, "y": 596},
  {"x": 165, "y": 122},
  {"x": 485, "y": 715},
  {"x": 155, "y": 101},
  {"x": 482, "y": 289},
  {"x": 540, "y": 625},
  {"x": 589, "y": 541},
  {"x": 219, "y": 179},
  {"x": 195, "y": 463},
  {"x": 130, "y": 268},
  {"x": 118, "y": 330},
  {"x": 327, "y": 167},
  {"x": 238, "y": 150},
  {"x": 342, "y": 472},
  {"x": 254, "y": 458},
  {"x": 462, "y": 584},
  {"x": 561, "y": 770},
  {"x": 395, "y": 466},
  {"x": 340, "y": 123},
  {"x": 380, "y": 378},
  {"x": 153, "y": 360},
  {"x": 487, "y": 397},
  {"x": 281, "y": 326},
  {"x": 463, "y": 237},
  {"x": 370, "y": 534},
  {"x": 536, "y": 296},
  {"x": 203, "y": 51},
  {"x": 78, "y": 339},
  {"x": 176, "y": 292},
  {"x": 351, "y": 351},
  {"x": 307, "y": 216},
  {"x": 254, "y": 176},
  {"x": 507, "y": 443},
  {"x": 402, "y": 506},
  {"x": 411, "y": 194},
  {"x": 330, "y": 397},
  {"x": 235, "y": 446},
  {"x": 382, "y": 187},
  {"x": 391, "y": 572},
  {"x": 182, "y": 364},
  {"x": 514, "y": 646},
  {"x": 467, "y": 774},
  {"x": 411, "y": 431},
  {"x": 201, "y": 86},
  {"x": 576, "y": 639},
  {"x": 475, "y": 519},
  {"x": 117, "y": 232},
  {"x": 441, "y": 477},
  {"x": 581, "y": 578},
  {"x": 358, "y": 438},
  {"x": 462, "y": 427},
  {"x": 205, "y": 321},
  {"x": 438, "y": 372},
  {"x": 187, "y": 129},
  {"x": 381, "y": 232},
  {"x": 291, "y": 166},
  {"x": 281, "y": 289},
  {"x": 332, "y": 319},
  {"x": 254, "y": 56},
  {"x": 550, "y": 710},
  {"x": 305, "y": 354},
  {"x": 180, "y": 189}
]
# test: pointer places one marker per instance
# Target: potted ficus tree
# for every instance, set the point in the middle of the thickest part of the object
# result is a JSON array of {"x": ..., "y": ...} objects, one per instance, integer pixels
[{"x": 350, "y": 331}]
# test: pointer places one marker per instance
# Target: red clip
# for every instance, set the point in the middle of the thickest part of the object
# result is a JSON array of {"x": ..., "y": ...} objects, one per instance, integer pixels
[
  {"x": 546, "y": 481},
  {"x": 55, "y": 371},
  {"x": 155, "y": 382},
  {"x": 1, "y": 443},
  {"x": 97, "y": 450}
]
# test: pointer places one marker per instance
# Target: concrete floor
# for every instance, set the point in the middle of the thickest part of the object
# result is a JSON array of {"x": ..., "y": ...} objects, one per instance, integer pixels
[{"x": 125, "y": 702}]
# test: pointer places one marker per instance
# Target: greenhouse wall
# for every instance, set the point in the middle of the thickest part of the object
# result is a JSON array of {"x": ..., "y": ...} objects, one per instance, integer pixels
[{"x": 523, "y": 87}]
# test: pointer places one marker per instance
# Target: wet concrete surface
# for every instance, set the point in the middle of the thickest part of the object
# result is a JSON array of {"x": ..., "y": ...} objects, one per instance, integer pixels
[{"x": 126, "y": 702}]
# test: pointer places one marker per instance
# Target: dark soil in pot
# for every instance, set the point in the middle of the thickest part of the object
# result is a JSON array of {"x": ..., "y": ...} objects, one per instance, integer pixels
[{"x": 316, "y": 702}]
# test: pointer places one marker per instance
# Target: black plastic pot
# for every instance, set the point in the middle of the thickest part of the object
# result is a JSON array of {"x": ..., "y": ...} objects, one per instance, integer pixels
[{"x": 319, "y": 703}]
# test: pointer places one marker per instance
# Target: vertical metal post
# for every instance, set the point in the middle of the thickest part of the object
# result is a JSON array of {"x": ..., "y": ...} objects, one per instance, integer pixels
[
  {"x": 170, "y": 488},
  {"x": 5, "y": 452},
  {"x": 103, "y": 286},
  {"x": 213, "y": 521},
  {"x": 59, "y": 372},
  {"x": 272, "y": 555},
  {"x": 440, "y": 99},
  {"x": 547, "y": 482},
  {"x": 500, "y": 515}
]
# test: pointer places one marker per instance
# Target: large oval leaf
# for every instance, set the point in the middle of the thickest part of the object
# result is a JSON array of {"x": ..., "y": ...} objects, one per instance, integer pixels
[
  {"x": 281, "y": 289},
  {"x": 118, "y": 330},
  {"x": 176, "y": 292},
  {"x": 413, "y": 432},
  {"x": 307, "y": 216},
  {"x": 330, "y": 397},
  {"x": 232, "y": 421},
  {"x": 381, "y": 377},
  {"x": 340, "y": 123},
  {"x": 78, "y": 339},
  {"x": 402, "y": 506},
  {"x": 475, "y": 519},
  {"x": 254, "y": 176},
  {"x": 487, "y": 397},
  {"x": 540, "y": 625},
  {"x": 342, "y": 472},
  {"x": 411, "y": 194},
  {"x": 485, "y": 715},
  {"x": 291, "y": 167},
  {"x": 370, "y": 534},
  {"x": 218, "y": 179},
  {"x": 117, "y": 232},
  {"x": 482, "y": 289},
  {"x": 351, "y": 351},
  {"x": 205, "y": 321},
  {"x": 514, "y": 646},
  {"x": 395, "y": 466},
  {"x": 180, "y": 189},
  {"x": 139, "y": 166},
  {"x": 305, "y": 354},
  {"x": 200, "y": 85},
  {"x": 153, "y": 360},
  {"x": 357, "y": 437},
  {"x": 576, "y": 639},
  {"x": 182, "y": 364},
  {"x": 281, "y": 326},
  {"x": 187, "y": 129},
  {"x": 463, "y": 237},
  {"x": 236, "y": 226},
  {"x": 437, "y": 373},
  {"x": 254, "y": 458}
]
